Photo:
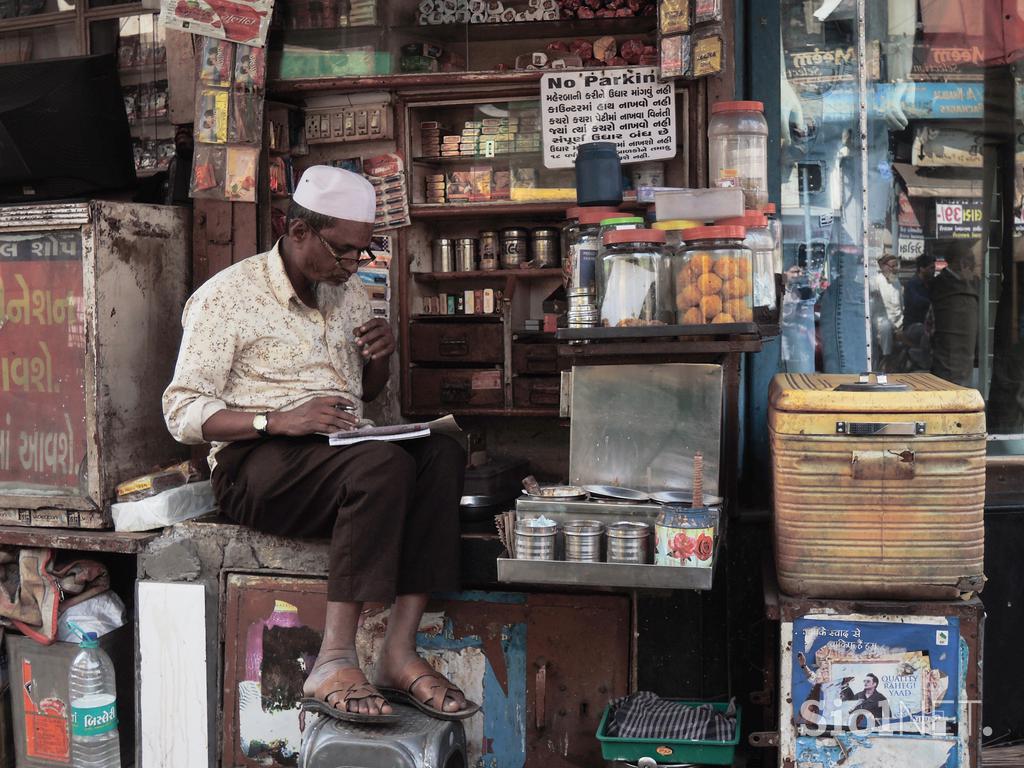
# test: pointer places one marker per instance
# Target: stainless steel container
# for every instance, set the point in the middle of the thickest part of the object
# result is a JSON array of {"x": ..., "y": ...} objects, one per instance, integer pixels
[
  {"x": 546, "y": 245},
  {"x": 444, "y": 255},
  {"x": 465, "y": 254},
  {"x": 535, "y": 542},
  {"x": 489, "y": 248},
  {"x": 514, "y": 246},
  {"x": 583, "y": 540},
  {"x": 628, "y": 542}
]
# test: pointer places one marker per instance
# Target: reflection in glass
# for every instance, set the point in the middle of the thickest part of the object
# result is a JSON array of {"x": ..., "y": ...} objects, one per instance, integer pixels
[{"x": 918, "y": 273}]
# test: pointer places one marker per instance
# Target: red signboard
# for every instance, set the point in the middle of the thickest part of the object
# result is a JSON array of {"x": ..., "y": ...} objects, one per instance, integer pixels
[{"x": 42, "y": 360}]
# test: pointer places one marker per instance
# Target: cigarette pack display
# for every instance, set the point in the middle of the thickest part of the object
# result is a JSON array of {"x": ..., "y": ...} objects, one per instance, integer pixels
[
  {"x": 708, "y": 52},
  {"x": 250, "y": 68},
  {"x": 480, "y": 183},
  {"x": 673, "y": 17},
  {"x": 675, "y": 56},
  {"x": 469, "y": 301},
  {"x": 207, "y": 171},
  {"x": 478, "y": 301},
  {"x": 240, "y": 174},
  {"x": 212, "y": 116},
  {"x": 488, "y": 301},
  {"x": 216, "y": 58},
  {"x": 459, "y": 185},
  {"x": 707, "y": 11}
]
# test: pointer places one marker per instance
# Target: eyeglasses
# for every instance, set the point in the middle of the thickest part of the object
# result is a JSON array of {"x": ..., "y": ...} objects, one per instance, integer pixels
[{"x": 361, "y": 261}]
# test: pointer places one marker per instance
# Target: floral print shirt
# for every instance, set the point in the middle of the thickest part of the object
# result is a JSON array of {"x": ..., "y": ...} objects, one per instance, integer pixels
[{"x": 250, "y": 344}]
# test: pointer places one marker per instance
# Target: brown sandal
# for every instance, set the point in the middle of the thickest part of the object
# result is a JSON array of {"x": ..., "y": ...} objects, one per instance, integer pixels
[
  {"x": 344, "y": 686},
  {"x": 432, "y": 705}
]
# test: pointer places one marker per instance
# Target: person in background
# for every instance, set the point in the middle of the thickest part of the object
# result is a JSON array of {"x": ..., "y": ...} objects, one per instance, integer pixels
[
  {"x": 886, "y": 308},
  {"x": 954, "y": 294},
  {"x": 916, "y": 293},
  {"x": 279, "y": 350}
]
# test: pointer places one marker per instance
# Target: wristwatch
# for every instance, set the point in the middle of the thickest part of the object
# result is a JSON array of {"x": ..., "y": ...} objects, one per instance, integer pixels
[{"x": 259, "y": 423}]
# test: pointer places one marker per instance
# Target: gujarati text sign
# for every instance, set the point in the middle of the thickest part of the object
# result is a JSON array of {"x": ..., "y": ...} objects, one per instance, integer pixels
[{"x": 628, "y": 107}]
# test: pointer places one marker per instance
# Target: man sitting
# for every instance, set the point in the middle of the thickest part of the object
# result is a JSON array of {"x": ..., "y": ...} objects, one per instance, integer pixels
[{"x": 278, "y": 350}]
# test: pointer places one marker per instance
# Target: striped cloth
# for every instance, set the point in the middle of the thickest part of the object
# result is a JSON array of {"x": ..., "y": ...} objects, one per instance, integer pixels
[{"x": 645, "y": 715}]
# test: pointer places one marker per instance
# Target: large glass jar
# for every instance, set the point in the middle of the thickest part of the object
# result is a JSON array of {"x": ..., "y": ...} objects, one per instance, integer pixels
[
  {"x": 762, "y": 248},
  {"x": 738, "y": 150},
  {"x": 632, "y": 290},
  {"x": 714, "y": 286},
  {"x": 571, "y": 242},
  {"x": 612, "y": 224}
]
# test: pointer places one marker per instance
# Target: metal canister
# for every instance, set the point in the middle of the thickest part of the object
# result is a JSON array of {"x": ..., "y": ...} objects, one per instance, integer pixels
[
  {"x": 514, "y": 245},
  {"x": 444, "y": 255},
  {"x": 489, "y": 250},
  {"x": 628, "y": 542},
  {"x": 535, "y": 542},
  {"x": 546, "y": 244},
  {"x": 583, "y": 540},
  {"x": 465, "y": 254}
]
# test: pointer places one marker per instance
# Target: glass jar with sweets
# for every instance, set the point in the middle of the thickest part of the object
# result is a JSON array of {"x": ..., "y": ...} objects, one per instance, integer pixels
[
  {"x": 632, "y": 290},
  {"x": 762, "y": 247},
  {"x": 714, "y": 285},
  {"x": 738, "y": 149}
]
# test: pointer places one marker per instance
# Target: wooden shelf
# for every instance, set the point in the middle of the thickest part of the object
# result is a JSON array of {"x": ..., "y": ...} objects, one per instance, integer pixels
[
  {"x": 454, "y": 318},
  {"x": 287, "y": 89},
  {"x": 495, "y": 274},
  {"x": 80, "y": 539},
  {"x": 502, "y": 208},
  {"x": 473, "y": 160},
  {"x": 532, "y": 30}
]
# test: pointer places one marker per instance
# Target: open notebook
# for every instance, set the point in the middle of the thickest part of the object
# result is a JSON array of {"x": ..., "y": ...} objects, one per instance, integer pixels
[{"x": 444, "y": 426}]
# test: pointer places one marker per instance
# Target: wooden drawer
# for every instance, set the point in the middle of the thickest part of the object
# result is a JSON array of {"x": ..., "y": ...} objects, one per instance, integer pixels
[
  {"x": 434, "y": 388},
  {"x": 456, "y": 343},
  {"x": 536, "y": 391},
  {"x": 538, "y": 357}
]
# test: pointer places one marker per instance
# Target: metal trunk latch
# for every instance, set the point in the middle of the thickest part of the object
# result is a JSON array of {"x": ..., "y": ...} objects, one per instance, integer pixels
[{"x": 881, "y": 428}]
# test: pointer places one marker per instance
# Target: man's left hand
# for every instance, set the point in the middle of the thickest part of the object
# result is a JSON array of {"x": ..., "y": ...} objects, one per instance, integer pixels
[{"x": 375, "y": 339}]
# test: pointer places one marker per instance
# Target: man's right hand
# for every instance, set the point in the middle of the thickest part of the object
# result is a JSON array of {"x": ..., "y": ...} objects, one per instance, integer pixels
[{"x": 319, "y": 415}]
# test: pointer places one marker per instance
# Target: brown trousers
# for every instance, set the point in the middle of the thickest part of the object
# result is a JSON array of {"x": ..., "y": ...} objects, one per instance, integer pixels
[{"x": 391, "y": 510}]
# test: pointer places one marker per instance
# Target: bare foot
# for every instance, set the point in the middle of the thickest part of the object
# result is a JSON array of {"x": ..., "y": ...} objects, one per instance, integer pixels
[
  {"x": 398, "y": 670},
  {"x": 329, "y": 664}
]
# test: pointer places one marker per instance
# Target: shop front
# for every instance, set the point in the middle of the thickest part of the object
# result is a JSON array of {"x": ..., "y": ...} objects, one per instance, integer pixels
[{"x": 724, "y": 299}]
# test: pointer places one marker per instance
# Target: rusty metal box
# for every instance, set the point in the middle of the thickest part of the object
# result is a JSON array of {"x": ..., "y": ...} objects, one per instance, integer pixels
[
  {"x": 447, "y": 342},
  {"x": 865, "y": 684},
  {"x": 90, "y": 299},
  {"x": 879, "y": 487},
  {"x": 439, "y": 389},
  {"x": 536, "y": 391},
  {"x": 516, "y": 654},
  {"x": 40, "y": 704},
  {"x": 417, "y": 741}
]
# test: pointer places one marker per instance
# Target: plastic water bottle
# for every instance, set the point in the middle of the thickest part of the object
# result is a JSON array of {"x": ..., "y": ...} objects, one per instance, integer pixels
[{"x": 94, "y": 739}]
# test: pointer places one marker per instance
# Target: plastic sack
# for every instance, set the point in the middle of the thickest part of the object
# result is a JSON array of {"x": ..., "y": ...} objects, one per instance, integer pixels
[
  {"x": 101, "y": 614},
  {"x": 167, "y": 508}
]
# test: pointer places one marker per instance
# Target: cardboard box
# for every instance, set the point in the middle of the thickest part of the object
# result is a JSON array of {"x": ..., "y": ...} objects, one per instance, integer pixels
[{"x": 40, "y": 706}]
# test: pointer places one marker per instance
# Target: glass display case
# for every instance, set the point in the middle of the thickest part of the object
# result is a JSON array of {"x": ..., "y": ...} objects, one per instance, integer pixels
[
  {"x": 139, "y": 42},
  {"x": 359, "y": 38},
  {"x": 891, "y": 248},
  {"x": 36, "y": 44}
]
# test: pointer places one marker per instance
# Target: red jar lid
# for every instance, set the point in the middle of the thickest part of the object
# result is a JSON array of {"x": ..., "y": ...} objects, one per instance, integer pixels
[
  {"x": 634, "y": 236},
  {"x": 714, "y": 233},
  {"x": 750, "y": 220},
  {"x": 769, "y": 209},
  {"x": 595, "y": 215},
  {"x": 575, "y": 211},
  {"x": 737, "y": 106}
]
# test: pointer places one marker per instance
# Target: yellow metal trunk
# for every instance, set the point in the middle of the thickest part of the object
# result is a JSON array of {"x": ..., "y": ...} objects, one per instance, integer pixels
[{"x": 879, "y": 489}]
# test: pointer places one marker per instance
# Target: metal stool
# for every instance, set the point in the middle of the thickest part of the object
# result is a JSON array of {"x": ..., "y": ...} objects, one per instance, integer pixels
[{"x": 417, "y": 741}]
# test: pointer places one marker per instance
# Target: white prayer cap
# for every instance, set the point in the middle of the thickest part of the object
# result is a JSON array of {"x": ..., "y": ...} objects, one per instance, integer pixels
[{"x": 337, "y": 193}]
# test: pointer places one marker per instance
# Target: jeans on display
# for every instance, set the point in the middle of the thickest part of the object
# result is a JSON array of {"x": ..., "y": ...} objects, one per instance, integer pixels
[{"x": 843, "y": 333}]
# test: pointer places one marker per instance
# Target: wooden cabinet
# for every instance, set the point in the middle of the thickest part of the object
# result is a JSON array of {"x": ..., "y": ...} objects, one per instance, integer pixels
[
  {"x": 456, "y": 343},
  {"x": 517, "y": 654},
  {"x": 535, "y": 391},
  {"x": 449, "y": 390}
]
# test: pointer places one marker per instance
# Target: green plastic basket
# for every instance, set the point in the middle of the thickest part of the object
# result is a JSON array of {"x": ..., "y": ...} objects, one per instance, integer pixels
[{"x": 670, "y": 750}]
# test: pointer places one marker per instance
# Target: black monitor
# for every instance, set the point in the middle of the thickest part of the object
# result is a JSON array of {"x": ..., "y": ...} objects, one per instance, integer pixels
[{"x": 63, "y": 129}]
